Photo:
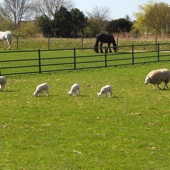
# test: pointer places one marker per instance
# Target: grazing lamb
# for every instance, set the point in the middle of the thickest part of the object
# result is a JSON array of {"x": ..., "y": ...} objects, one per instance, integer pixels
[
  {"x": 40, "y": 88},
  {"x": 75, "y": 88},
  {"x": 2, "y": 82},
  {"x": 155, "y": 77},
  {"x": 106, "y": 89}
]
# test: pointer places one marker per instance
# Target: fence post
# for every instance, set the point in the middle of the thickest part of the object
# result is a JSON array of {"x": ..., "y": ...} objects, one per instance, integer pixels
[
  {"x": 48, "y": 42},
  {"x": 17, "y": 42},
  {"x": 105, "y": 56},
  {"x": 74, "y": 58},
  {"x": 133, "y": 62},
  {"x": 158, "y": 50},
  {"x": 39, "y": 60},
  {"x": 156, "y": 41}
]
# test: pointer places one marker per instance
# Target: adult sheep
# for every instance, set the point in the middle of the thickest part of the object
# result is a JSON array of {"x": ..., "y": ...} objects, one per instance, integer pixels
[
  {"x": 156, "y": 77},
  {"x": 2, "y": 82}
]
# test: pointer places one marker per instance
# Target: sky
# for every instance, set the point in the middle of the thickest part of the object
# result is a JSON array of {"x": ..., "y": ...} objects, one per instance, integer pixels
[{"x": 118, "y": 8}]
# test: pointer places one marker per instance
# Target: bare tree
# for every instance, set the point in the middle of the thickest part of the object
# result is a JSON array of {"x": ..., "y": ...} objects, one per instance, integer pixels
[
  {"x": 15, "y": 10},
  {"x": 49, "y": 7},
  {"x": 98, "y": 18}
]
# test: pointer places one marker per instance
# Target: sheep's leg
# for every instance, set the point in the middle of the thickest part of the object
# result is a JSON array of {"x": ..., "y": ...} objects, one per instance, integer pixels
[
  {"x": 110, "y": 94},
  {"x": 79, "y": 91},
  {"x": 159, "y": 87},
  {"x": 154, "y": 86},
  {"x": 47, "y": 92},
  {"x": 2, "y": 87},
  {"x": 165, "y": 86}
]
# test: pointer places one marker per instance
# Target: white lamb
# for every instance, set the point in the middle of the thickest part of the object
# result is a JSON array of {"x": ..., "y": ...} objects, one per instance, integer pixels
[
  {"x": 2, "y": 82},
  {"x": 155, "y": 77},
  {"x": 106, "y": 89},
  {"x": 75, "y": 89},
  {"x": 40, "y": 88}
]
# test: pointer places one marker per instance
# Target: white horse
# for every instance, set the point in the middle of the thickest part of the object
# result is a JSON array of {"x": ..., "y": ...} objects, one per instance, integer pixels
[{"x": 7, "y": 35}]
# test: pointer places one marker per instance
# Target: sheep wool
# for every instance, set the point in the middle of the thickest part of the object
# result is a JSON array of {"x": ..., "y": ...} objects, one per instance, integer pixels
[
  {"x": 75, "y": 89},
  {"x": 105, "y": 90},
  {"x": 2, "y": 82},
  {"x": 40, "y": 88},
  {"x": 156, "y": 77}
]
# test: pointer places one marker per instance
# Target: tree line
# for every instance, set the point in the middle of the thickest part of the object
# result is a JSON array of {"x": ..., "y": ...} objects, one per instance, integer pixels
[{"x": 59, "y": 18}]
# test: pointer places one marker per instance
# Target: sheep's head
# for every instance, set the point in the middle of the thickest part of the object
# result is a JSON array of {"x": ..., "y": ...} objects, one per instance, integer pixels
[
  {"x": 147, "y": 80},
  {"x": 70, "y": 93},
  {"x": 99, "y": 94},
  {"x": 35, "y": 94}
]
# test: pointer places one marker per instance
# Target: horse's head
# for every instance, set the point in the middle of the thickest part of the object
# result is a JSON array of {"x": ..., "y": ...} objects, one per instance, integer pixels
[
  {"x": 115, "y": 48},
  {"x": 96, "y": 49}
]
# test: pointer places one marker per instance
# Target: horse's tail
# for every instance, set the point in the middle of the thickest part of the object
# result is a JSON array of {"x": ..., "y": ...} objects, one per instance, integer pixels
[{"x": 96, "y": 45}]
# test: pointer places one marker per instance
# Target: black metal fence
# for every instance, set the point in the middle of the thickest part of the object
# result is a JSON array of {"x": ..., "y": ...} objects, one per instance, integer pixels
[{"x": 38, "y": 61}]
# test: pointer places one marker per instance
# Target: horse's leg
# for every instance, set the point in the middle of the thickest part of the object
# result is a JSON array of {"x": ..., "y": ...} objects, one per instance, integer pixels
[
  {"x": 9, "y": 44},
  {"x": 3, "y": 45},
  {"x": 109, "y": 48},
  {"x": 106, "y": 49},
  {"x": 101, "y": 44}
]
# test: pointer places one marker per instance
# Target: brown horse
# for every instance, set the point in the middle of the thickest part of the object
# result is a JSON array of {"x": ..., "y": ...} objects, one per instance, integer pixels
[{"x": 105, "y": 38}]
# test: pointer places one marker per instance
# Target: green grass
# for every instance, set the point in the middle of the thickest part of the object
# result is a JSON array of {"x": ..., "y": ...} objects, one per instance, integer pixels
[
  {"x": 27, "y": 61},
  {"x": 128, "y": 131}
]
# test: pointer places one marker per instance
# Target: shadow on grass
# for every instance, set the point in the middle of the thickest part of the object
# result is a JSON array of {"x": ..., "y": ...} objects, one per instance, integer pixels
[{"x": 10, "y": 91}]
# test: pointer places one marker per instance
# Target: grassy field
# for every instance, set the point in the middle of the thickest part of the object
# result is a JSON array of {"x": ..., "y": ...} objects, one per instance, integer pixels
[
  {"x": 129, "y": 131},
  {"x": 69, "y": 55}
]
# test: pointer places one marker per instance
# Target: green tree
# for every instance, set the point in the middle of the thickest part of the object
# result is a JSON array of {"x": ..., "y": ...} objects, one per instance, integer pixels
[
  {"x": 153, "y": 18},
  {"x": 6, "y": 24},
  {"x": 45, "y": 24},
  {"x": 119, "y": 25},
  {"x": 79, "y": 20},
  {"x": 63, "y": 23}
]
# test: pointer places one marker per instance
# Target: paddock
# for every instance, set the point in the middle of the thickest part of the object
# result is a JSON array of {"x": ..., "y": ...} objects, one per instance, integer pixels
[{"x": 128, "y": 131}]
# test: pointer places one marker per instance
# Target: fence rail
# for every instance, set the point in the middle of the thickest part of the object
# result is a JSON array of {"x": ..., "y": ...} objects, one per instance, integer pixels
[{"x": 38, "y": 61}]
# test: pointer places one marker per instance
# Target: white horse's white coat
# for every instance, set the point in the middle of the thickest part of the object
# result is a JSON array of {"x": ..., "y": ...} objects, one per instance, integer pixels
[{"x": 7, "y": 35}]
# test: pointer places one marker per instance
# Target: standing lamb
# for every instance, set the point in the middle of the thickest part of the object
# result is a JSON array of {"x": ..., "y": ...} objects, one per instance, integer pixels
[
  {"x": 106, "y": 89},
  {"x": 2, "y": 82},
  {"x": 40, "y": 88},
  {"x": 155, "y": 77},
  {"x": 75, "y": 88}
]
